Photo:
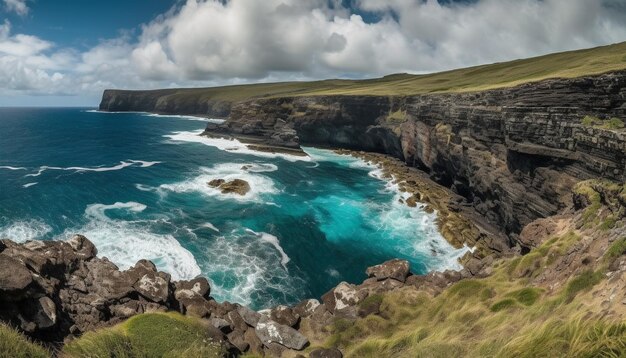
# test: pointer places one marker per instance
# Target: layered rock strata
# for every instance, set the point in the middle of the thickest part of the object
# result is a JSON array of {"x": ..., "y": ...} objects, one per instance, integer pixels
[{"x": 512, "y": 153}]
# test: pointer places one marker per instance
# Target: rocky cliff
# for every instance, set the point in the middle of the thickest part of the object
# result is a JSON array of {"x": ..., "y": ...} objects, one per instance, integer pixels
[{"x": 513, "y": 153}]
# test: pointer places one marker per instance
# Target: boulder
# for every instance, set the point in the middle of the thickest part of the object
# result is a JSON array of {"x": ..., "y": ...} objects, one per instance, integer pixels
[
  {"x": 396, "y": 269},
  {"x": 284, "y": 315},
  {"x": 270, "y": 332},
  {"x": 236, "y": 338},
  {"x": 153, "y": 287},
  {"x": 188, "y": 289},
  {"x": 326, "y": 353},
  {"x": 237, "y": 186},
  {"x": 221, "y": 324},
  {"x": 46, "y": 315},
  {"x": 83, "y": 248},
  {"x": 306, "y": 308},
  {"x": 249, "y": 316},
  {"x": 343, "y": 299},
  {"x": 15, "y": 282},
  {"x": 216, "y": 183}
]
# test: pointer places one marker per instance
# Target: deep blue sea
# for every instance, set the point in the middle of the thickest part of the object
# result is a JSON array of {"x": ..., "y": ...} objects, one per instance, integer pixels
[{"x": 136, "y": 185}]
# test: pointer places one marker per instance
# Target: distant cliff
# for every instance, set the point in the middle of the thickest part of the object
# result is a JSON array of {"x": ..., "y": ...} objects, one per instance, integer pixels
[{"x": 162, "y": 101}]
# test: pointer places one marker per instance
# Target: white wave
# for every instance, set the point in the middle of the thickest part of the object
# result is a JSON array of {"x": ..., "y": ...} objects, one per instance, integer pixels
[
  {"x": 126, "y": 242},
  {"x": 143, "y": 187},
  {"x": 241, "y": 266},
  {"x": 229, "y": 145},
  {"x": 27, "y": 185},
  {"x": 11, "y": 168},
  {"x": 143, "y": 163},
  {"x": 25, "y": 230},
  {"x": 121, "y": 165},
  {"x": 187, "y": 117},
  {"x": 148, "y": 114},
  {"x": 210, "y": 226},
  {"x": 402, "y": 222},
  {"x": 273, "y": 240},
  {"x": 98, "y": 211},
  {"x": 260, "y": 185}
]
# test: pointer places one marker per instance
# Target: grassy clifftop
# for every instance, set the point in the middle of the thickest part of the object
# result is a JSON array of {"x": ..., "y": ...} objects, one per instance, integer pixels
[{"x": 558, "y": 65}]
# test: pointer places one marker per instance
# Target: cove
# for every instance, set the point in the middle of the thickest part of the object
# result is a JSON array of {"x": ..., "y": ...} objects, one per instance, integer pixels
[{"x": 136, "y": 185}]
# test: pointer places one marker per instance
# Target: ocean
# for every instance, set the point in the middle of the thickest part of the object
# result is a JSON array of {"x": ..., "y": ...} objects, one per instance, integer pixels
[{"x": 136, "y": 185}]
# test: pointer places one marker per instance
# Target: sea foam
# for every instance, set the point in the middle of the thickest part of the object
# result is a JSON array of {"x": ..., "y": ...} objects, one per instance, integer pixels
[
  {"x": 260, "y": 185},
  {"x": 121, "y": 165},
  {"x": 228, "y": 145},
  {"x": 242, "y": 265},
  {"x": 401, "y": 223},
  {"x": 125, "y": 242},
  {"x": 25, "y": 230}
]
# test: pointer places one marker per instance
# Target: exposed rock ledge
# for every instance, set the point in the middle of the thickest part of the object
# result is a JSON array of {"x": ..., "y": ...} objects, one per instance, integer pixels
[{"x": 59, "y": 290}]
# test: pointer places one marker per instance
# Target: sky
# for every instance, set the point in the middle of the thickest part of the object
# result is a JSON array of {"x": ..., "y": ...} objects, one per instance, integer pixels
[{"x": 66, "y": 52}]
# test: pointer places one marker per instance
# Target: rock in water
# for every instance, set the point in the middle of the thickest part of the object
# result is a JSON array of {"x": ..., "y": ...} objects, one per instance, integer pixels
[
  {"x": 216, "y": 182},
  {"x": 396, "y": 269},
  {"x": 237, "y": 186},
  {"x": 269, "y": 332}
]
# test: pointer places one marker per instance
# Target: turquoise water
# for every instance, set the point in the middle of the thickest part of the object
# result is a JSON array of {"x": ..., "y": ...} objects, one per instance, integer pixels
[{"x": 135, "y": 184}]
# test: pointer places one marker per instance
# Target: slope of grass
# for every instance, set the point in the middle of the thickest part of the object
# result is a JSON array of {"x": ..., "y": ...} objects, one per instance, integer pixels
[
  {"x": 499, "y": 316},
  {"x": 559, "y": 65},
  {"x": 148, "y": 335},
  {"x": 15, "y": 345}
]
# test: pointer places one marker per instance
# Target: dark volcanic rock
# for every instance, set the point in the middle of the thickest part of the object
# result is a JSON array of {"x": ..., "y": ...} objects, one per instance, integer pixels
[
  {"x": 269, "y": 332},
  {"x": 236, "y": 186},
  {"x": 513, "y": 153},
  {"x": 15, "y": 278},
  {"x": 326, "y": 353},
  {"x": 395, "y": 269}
]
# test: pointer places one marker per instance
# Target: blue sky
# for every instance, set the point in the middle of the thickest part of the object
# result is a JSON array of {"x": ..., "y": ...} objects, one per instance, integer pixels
[
  {"x": 66, "y": 52},
  {"x": 81, "y": 24}
]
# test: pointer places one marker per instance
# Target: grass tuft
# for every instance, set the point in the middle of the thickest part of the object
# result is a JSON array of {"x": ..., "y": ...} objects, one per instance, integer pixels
[
  {"x": 148, "y": 335},
  {"x": 13, "y": 344},
  {"x": 582, "y": 282}
]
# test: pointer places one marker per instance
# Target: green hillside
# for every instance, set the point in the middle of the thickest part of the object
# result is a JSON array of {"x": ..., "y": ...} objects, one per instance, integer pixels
[{"x": 558, "y": 65}]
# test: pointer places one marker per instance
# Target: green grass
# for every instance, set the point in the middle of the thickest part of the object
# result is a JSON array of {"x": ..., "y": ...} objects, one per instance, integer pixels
[
  {"x": 148, "y": 335},
  {"x": 506, "y": 74},
  {"x": 617, "y": 249},
  {"x": 503, "y": 304},
  {"x": 15, "y": 345},
  {"x": 611, "y": 123},
  {"x": 582, "y": 282}
]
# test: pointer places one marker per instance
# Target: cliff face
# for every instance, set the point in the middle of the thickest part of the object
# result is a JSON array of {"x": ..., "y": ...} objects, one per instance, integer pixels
[
  {"x": 162, "y": 101},
  {"x": 514, "y": 153}
]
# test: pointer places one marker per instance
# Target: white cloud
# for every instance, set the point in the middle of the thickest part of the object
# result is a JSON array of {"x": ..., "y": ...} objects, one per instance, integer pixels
[
  {"x": 17, "y": 6},
  {"x": 210, "y": 42}
]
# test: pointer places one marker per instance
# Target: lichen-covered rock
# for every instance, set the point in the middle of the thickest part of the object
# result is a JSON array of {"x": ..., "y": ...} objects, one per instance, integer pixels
[
  {"x": 284, "y": 315},
  {"x": 269, "y": 332},
  {"x": 306, "y": 308},
  {"x": 395, "y": 269},
  {"x": 343, "y": 299}
]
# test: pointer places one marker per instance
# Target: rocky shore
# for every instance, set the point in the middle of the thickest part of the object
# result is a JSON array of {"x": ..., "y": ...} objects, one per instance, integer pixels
[{"x": 59, "y": 290}]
